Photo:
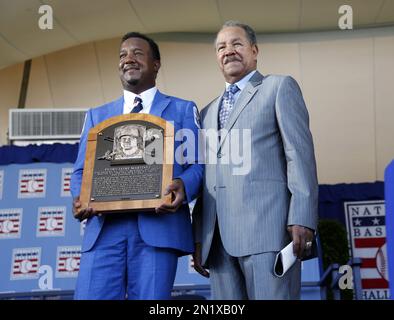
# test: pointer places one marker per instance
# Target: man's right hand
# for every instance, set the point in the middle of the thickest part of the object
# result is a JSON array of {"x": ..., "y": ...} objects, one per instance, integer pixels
[
  {"x": 197, "y": 261},
  {"x": 82, "y": 214}
]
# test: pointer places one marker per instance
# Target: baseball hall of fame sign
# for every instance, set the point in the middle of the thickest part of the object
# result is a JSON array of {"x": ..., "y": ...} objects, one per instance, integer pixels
[{"x": 128, "y": 164}]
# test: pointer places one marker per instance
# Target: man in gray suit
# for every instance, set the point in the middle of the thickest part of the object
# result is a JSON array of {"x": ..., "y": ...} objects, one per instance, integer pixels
[{"x": 247, "y": 216}]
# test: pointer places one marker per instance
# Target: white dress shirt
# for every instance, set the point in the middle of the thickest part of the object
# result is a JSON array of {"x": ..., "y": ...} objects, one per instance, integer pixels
[{"x": 147, "y": 99}]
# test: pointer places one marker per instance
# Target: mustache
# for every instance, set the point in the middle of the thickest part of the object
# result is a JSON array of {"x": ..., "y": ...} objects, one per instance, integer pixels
[{"x": 231, "y": 59}]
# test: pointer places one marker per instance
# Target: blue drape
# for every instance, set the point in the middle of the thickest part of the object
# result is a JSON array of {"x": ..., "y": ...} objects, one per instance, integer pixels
[
  {"x": 57, "y": 153},
  {"x": 332, "y": 197}
]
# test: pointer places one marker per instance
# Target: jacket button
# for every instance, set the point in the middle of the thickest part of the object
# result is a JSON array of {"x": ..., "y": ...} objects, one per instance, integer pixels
[{"x": 219, "y": 155}]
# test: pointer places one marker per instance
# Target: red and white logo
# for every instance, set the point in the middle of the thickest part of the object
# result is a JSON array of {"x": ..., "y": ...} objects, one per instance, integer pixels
[
  {"x": 67, "y": 264},
  {"x": 51, "y": 221},
  {"x": 10, "y": 223},
  {"x": 66, "y": 180},
  {"x": 25, "y": 263},
  {"x": 366, "y": 228},
  {"x": 32, "y": 183}
]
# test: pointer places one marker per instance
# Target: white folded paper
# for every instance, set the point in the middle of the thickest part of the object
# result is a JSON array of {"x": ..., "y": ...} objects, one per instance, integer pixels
[{"x": 284, "y": 260}]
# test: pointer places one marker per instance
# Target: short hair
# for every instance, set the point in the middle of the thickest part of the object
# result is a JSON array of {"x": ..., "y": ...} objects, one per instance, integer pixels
[
  {"x": 152, "y": 44},
  {"x": 248, "y": 29}
]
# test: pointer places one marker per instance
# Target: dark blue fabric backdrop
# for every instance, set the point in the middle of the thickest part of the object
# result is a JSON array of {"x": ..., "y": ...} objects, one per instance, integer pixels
[
  {"x": 57, "y": 153},
  {"x": 331, "y": 197}
]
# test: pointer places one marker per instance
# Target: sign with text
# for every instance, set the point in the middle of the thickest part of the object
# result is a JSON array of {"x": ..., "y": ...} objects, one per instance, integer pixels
[{"x": 366, "y": 227}]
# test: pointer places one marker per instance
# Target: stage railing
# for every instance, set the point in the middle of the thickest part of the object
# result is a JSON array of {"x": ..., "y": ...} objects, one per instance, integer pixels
[{"x": 202, "y": 292}]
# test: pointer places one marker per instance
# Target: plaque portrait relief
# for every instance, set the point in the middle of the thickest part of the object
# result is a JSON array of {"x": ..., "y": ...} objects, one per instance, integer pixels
[
  {"x": 129, "y": 142},
  {"x": 128, "y": 164}
]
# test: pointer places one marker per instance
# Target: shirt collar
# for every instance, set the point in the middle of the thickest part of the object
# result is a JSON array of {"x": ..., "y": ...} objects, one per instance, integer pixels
[
  {"x": 241, "y": 84},
  {"x": 147, "y": 98}
]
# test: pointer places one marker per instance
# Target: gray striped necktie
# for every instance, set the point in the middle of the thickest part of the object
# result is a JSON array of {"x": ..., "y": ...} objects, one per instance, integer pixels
[{"x": 227, "y": 104}]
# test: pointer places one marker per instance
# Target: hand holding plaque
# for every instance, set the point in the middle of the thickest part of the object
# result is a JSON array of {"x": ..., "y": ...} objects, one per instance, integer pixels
[
  {"x": 79, "y": 213},
  {"x": 177, "y": 189}
]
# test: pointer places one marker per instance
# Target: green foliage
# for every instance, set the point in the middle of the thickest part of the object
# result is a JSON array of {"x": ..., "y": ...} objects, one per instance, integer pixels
[
  {"x": 334, "y": 244},
  {"x": 333, "y": 239}
]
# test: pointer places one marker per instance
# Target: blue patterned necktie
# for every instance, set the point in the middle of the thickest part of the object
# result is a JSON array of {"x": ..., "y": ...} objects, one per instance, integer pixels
[
  {"x": 227, "y": 104},
  {"x": 137, "y": 105}
]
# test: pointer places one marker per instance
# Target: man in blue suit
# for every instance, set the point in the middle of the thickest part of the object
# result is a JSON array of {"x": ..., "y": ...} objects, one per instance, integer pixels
[
  {"x": 248, "y": 215},
  {"x": 135, "y": 255}
]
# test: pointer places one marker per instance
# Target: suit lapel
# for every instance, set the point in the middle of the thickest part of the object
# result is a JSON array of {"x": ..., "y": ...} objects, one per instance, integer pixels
[
  {"x": 213, "y": 115},
  {"x": 210, "y": 121},
  {"x": 246, "y": 95},
  {"x": 117, "y": 107},
  {"x": 160, "y": 102}
]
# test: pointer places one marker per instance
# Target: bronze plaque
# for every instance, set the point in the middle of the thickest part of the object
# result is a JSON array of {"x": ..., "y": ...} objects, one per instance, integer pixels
[{"x": 128, "y": 164}]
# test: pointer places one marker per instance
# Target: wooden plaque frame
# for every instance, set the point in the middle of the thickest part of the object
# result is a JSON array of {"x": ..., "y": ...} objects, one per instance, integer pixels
[{"x": 90, "y": 158}]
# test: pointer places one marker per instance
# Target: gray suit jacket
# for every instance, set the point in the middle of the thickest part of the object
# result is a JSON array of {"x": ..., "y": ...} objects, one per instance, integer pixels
[{"x": 280, "y": 188}]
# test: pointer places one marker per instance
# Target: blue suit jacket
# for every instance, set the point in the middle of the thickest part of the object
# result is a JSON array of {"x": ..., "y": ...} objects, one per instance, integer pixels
[{"x": 172, "y": 230}]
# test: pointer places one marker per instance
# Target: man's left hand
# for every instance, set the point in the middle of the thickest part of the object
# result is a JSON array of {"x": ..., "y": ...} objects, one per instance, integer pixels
[
  {"x": 177, "y": 188},
  {"x": 300, "y": 236}
]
